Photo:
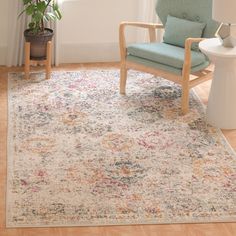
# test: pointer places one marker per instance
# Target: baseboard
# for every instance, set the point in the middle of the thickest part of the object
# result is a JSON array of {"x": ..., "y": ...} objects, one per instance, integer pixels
[
  {"x": 3, "y": 51},
  {"x": 88, "y": 52}
]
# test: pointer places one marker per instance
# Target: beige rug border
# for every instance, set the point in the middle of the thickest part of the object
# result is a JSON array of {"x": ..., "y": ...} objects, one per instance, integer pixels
[{"x": 100, "y": 223}]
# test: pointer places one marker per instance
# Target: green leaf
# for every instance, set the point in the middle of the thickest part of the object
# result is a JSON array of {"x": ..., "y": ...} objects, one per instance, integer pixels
[
  {"x": 58, "y": 14},
  {"x": 25, "y": 2},
  {"x": 55, "y": 6},
  {"x": 45, "y": 18},
  {"x": 41, "y": 6},
  {"x": 37, "y": 16},
  {"x": 21, "y": 13},
  {"x": 39, "y": 12},
  {"x": 50, "y": 15},
  {"x": 31, "y": 25},
  {"x": 30, "y": 9}
]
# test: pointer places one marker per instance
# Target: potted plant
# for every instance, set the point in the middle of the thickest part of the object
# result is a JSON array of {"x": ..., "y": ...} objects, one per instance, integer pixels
[{"x": 40, "y": 11}]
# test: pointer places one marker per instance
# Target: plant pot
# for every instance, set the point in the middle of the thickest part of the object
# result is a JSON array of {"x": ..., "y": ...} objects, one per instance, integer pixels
[{"x": 38, "y": 43}]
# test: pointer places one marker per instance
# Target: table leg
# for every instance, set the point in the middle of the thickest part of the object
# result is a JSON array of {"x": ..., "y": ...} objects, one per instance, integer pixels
[{"x": 221, "y": 109}]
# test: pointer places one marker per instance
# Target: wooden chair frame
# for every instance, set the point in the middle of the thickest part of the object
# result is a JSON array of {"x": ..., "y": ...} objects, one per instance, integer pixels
[
  {"x": 187, "y": 80},
  {"x": 46, "y": 62}
]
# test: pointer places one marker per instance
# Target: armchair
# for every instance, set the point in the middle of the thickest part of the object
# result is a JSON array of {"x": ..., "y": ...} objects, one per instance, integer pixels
[{"x": 184, "y": 65}]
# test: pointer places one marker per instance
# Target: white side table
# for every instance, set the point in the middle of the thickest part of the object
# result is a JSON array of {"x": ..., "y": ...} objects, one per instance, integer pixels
[{"x": 221, "y": 108}]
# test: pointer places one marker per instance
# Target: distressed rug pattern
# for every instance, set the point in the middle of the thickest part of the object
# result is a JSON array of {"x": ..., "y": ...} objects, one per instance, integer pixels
[{"x": 81, "y": 154}]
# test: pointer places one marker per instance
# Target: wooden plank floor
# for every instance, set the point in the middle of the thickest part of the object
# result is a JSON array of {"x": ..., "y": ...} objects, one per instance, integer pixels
[{"x": 218, "y": 229}]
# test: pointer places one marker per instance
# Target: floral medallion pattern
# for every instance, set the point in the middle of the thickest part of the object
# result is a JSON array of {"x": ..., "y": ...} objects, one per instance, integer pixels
[{"x": 79, "y": 153}]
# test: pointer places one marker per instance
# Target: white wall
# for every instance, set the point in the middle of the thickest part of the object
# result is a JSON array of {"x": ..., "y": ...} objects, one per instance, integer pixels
[
  {"x": 88, "y": 31},
  {"x": 3, "y": 30}
]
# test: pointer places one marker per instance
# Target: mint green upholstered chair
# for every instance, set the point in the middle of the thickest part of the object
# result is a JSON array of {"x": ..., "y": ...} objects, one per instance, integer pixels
[{"x": 177, "y": 58}]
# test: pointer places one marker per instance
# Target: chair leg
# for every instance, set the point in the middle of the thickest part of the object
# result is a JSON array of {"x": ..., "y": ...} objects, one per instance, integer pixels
[
  {"x": 27, "y": 60},
  {"x": 185, "y": 99},
  {"x": 123, "y": 78}
]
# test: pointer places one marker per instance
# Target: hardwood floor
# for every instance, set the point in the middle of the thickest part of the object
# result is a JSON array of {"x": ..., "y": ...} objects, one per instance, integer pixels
[{"x": 218, "y": 229}]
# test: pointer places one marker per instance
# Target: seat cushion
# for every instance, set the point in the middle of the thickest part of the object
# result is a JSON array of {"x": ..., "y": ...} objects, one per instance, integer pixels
[
  {"x": 178, "y": 30},
  {"x": 163, "y": 67},
  {"x": 166, "y": 54}
]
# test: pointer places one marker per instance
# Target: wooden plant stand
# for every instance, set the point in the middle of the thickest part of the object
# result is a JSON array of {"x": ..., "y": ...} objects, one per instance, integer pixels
[{"x": 46, "y": 62}]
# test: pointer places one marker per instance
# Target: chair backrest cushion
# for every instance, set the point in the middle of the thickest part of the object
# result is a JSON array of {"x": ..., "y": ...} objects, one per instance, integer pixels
[
  {"x": 178, "y": 30},
  {"x": 193, "y": 10}
]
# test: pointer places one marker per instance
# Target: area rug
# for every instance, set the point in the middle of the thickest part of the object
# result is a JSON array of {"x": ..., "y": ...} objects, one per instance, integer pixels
[{"x": 80, "y": 154}]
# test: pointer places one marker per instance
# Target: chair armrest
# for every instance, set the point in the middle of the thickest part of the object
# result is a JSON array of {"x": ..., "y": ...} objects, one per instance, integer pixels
[
  {"x": 141, "y": 24},
  {"x": 187, "y": 57},
  {"x": 150, "y": 26},
  {"x": 190, "y": 41}
]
